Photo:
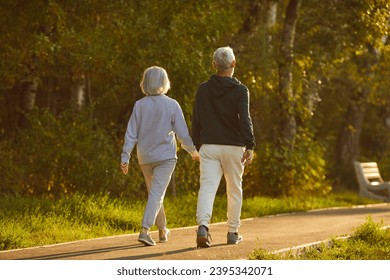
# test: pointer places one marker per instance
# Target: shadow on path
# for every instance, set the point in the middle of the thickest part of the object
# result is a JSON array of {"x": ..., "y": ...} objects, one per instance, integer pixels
[
  {"x": 83, "y": 253},
  {"x": 148, "y": 256}
]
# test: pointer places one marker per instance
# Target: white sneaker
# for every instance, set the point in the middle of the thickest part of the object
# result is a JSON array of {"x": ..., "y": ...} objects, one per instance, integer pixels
[
  {"x": 163, "y": 235},
  {"x": 146, "y": 239},
  {"x": 203, "y": 237},
  {"x": 234, "y": 238}
]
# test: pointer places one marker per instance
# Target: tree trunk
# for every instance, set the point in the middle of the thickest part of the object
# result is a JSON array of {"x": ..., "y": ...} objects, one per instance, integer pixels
[
  {"x": 349, "y": 137},
  {"x": 288, "y": 126},
  {"x": 29, "y": 92},
  {"x": 347, "y": 149},
  {"x": 248, "y": 29},
  {"x": 79, "y": 94},
  {"x": 272, "y": 11}
]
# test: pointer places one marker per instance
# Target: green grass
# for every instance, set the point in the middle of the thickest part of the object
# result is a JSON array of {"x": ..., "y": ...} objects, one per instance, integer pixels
[
  {"x": 31, "y": 221},
  {"x": 368, "y": 242}
]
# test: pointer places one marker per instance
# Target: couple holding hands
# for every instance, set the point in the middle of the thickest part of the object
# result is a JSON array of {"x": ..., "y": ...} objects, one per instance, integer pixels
[{"x": 222, "y": 139}]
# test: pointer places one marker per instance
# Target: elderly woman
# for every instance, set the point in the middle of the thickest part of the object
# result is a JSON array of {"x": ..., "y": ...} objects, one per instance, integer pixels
[{"x": 153, "y": 126}]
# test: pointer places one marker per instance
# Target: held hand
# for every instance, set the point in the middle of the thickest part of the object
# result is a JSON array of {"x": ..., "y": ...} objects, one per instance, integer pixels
[
  {"x": 195, "y": 156},
  {"x": 247, "y": 157},
  {"x": 124, "y": 168}
]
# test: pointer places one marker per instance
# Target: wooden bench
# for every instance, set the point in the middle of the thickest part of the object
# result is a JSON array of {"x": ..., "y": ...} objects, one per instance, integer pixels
[{"x": 371, "y": 184}]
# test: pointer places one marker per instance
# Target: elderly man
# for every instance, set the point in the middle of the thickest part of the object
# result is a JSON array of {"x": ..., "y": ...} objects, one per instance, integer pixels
[{"x": 222, "y": 131}]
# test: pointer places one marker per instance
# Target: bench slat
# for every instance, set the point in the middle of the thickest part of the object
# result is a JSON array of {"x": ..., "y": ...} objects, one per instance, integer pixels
[{"x": 369, "y": 164}]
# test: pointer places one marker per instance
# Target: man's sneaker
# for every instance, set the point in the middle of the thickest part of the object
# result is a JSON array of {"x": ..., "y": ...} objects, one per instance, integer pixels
[
  {"x": 163, "y": 235},
  {"x": 146, "y": 239},
  {"x": 203, "y": 237},
  {"x": 234, "y": 238}
]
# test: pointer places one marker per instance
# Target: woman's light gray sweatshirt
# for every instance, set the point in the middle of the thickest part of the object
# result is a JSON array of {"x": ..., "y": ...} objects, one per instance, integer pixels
[{"x": 155, "y": 123}]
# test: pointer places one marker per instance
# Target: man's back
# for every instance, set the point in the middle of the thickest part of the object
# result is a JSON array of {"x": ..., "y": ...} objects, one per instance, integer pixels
[{"x": 221, "y": 113}]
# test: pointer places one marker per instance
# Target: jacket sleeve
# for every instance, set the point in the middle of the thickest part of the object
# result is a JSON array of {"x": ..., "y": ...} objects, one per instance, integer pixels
[
  {"x": 246, "y": 126},
  {"x": 131, "y": 136},
  {"x": 195, "y": 126}
]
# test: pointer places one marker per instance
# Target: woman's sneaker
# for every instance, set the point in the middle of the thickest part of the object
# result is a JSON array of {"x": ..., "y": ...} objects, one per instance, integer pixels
[
  {"x": 146, "y": 239},
  {"x": 234, "y": 238},
  {"x": 203, "y": 237},
  {"x": 163, "y": 235}
]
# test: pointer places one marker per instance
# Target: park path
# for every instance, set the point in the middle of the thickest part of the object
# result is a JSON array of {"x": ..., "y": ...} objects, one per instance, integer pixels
[{"x": 271, "y": 233}]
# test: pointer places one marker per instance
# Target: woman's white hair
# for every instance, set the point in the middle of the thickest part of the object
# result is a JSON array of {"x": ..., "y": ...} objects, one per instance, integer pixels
[
  {"x": 155, "y": 81},
  {"x": 223, "y": 58}
]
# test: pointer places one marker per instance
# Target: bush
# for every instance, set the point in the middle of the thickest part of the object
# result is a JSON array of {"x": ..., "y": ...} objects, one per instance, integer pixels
[
  {"x": 298, "y": 172},
  {"x": 186, "y": 174},
  {"x": 65, "y": 154},
  {"x": 10, "y": 169}
]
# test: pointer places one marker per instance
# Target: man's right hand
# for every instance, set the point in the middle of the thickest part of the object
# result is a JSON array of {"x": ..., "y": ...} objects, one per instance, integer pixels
[
  {"x": 247, "y": 157},
  {"x": 195, "y": 156}
]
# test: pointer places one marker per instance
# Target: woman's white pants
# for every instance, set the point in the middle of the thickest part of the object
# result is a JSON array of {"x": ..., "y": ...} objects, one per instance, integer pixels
[{"x": 157, "y": 177}]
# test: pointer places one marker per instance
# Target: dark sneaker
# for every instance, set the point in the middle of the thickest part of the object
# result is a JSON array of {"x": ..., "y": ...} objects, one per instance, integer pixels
[
  {"x": 234, "y": 238},
  {"x": 146, "y": 239},
  {"x": 203, "y": 237},
  {"x": 163, "y": 235}
]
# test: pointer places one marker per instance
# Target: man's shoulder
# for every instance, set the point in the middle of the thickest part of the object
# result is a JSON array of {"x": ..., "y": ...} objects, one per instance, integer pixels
[
  {"x": 204, "y": 84},
  {"x": 203, "y": 87},
  {"x": 243, "y": 89}
]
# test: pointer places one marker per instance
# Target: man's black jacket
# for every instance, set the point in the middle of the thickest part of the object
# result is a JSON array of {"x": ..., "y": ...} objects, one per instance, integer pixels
[{"x": 221, "y": 114}]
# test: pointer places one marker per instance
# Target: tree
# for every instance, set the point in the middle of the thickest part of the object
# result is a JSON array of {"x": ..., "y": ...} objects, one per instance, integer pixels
[
  {"x": 346, "y": 48},
  {"x": 286, "y": 91}
]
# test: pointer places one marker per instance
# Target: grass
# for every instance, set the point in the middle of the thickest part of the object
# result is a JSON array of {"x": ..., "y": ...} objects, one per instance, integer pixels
[
  {"x": 370, "y": 241},
  {"x": 31, "y": 221}
]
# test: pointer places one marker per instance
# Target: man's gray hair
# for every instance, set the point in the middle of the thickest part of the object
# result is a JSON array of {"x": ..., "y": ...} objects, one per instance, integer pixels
[
  {"x": 223, "y": 58},
  {"x": 155, "y": 81}
]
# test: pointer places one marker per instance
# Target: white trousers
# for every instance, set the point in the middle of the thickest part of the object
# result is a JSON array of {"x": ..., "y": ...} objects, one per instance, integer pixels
[
  {"x": 215, "y": 161},
  {"x": 157, "y": 177}
]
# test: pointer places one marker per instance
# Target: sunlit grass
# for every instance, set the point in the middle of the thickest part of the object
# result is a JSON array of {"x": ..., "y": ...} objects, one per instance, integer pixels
[
  {"x": 368, "y": 242},
  {"x": 27, "y": 222}
]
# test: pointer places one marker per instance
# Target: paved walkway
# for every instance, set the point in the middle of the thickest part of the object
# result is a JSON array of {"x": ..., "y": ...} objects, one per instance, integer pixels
[{"x": 270, "y": 233}]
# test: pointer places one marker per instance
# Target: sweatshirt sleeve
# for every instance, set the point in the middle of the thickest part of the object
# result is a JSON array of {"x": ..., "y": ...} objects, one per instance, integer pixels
[
  {"x": 246, "y": 126},
  {"x": 181, "y": 130},
  {"x": 131, "y": 136},
  {"x": 195, "y": 128}
]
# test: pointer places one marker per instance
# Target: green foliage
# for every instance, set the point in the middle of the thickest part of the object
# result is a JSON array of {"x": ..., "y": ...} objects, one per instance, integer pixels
[
  {"x": 368, "y": 242},
  {"x": 110, "y": 44},
  {"x": 64, "y": 155},
  {"x": 186, "y": 174},
  {"x": 10, "y": 170},
  {"x": 298, "y": 172}
]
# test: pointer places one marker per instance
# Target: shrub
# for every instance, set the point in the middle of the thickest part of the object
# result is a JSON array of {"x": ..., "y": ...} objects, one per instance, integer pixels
[
  {"x": 65, "y": 154},
  {"x": 186, "y": 174},
  {"x": 293, "y": 172},
  {"x": 11, "y": 170}
]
